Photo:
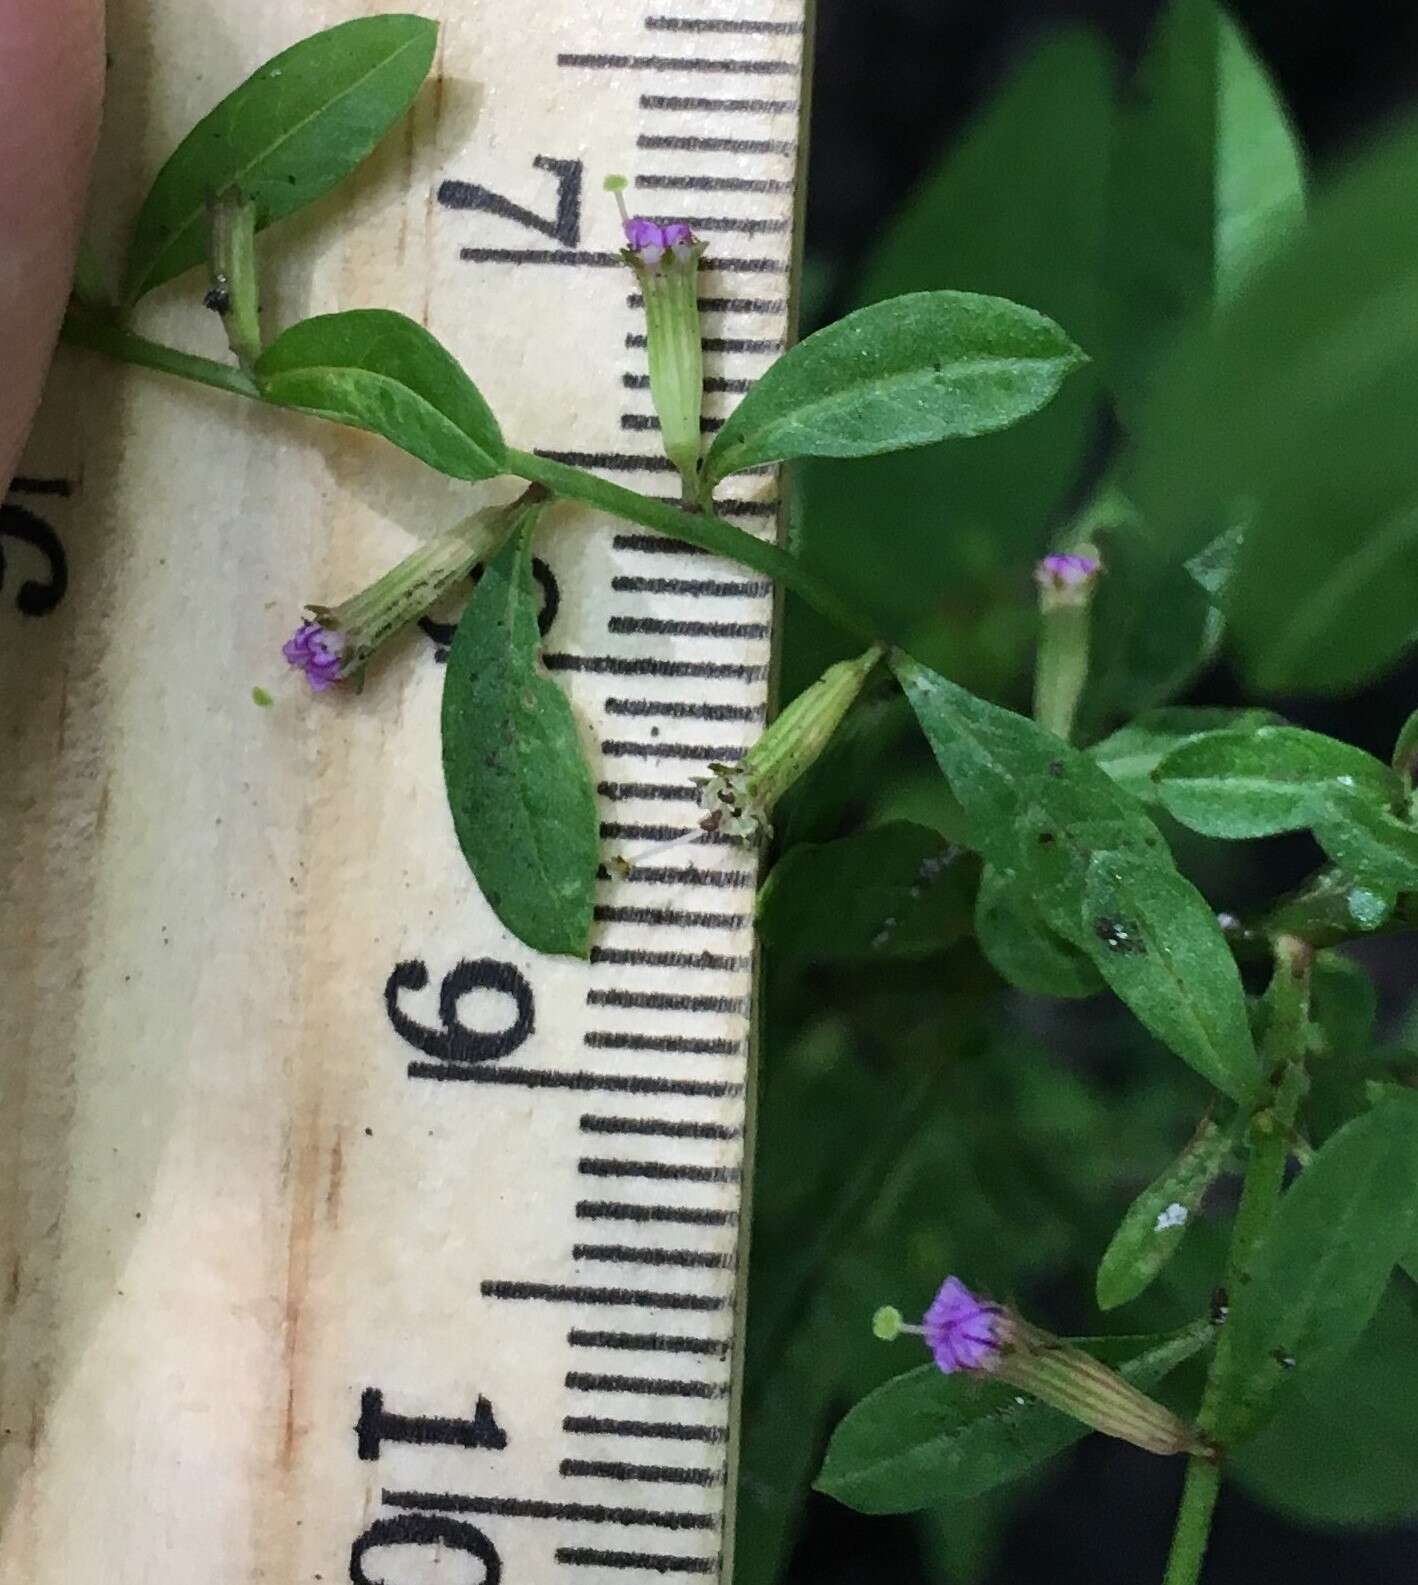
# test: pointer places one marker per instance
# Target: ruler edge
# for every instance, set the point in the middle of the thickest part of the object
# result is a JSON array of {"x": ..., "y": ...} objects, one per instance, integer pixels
[{"x": 738, "y": 1356}]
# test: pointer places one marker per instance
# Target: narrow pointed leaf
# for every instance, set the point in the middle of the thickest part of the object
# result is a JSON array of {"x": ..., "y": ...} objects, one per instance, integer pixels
[
  {"x": 522, "y": 798},
  {"x": 374, "y": 369},
  {"x": 927, "y": 366},
  {"x": 1157, "y": 1220},
  {"x": 295, "y": 127},
  {"x": 1153, "y": 938},
  {"x": 1323, "y": 1266}
]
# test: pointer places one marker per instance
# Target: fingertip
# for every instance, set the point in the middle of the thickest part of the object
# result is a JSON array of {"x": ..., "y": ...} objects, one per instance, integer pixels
[{"x": 51, "y": 92}]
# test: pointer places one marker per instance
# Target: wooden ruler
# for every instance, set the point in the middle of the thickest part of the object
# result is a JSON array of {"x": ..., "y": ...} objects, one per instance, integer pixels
[{"x": 341, "y": 1237}]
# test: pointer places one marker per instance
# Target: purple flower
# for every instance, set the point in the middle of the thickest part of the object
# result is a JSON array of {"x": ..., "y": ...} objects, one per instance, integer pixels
[
  {"x": 1066, "y": 572},
  {"x": 316, "y": 653},
  {"x": 650, "y": 241},
  {"x": 961, "y": 1331},
  {"x": 641, "y": 233}
]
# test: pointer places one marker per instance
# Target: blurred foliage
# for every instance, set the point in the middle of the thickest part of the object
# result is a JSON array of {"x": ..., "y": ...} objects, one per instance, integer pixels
[{"x": 917, "y": 1114}]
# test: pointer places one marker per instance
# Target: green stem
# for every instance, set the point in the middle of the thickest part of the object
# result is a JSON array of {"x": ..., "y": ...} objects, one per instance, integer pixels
[
  {"x": 1271, "y": 1129},
  {"x": 101, "y": 334},
  {"x": 695, "y": 528},
  {"x": 1193, "y": 1522}
]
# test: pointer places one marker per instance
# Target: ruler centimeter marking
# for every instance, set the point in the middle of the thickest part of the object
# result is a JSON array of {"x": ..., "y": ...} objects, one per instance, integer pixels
[{"x": 666, "y": 1005}]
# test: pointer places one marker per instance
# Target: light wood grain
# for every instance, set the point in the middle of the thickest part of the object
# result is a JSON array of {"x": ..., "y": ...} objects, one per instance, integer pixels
[{"x": 224, "y": 1207}]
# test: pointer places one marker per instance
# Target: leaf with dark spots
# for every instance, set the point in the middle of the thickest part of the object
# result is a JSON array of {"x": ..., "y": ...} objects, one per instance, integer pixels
[{"x": 1106, "y": 862}]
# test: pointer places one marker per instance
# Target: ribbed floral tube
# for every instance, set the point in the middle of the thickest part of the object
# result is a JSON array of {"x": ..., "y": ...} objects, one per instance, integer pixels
[
  {"x": 338, "y": 642},
  {"x": 1066, "y": 584},
  {"x": 674, "y": 352},
  {"x": 665, "y": 259},
  {"x": 1069, "y": 1379},
  {"x": 738, "y": 799}
]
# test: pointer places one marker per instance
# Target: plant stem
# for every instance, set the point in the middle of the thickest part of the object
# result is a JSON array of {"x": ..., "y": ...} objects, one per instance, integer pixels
[
  {"x": 1193, "y": 1521},
  {"x": 696, "y": 528},
  {"x": 101, "y": 334},
  {"x": 1271, "y": 1130}
]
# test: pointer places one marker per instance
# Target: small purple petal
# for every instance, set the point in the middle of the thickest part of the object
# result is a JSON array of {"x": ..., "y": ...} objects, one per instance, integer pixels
[
  {"x": 650, "y": 241},
  {"x": 641, "y": 233},
  {"x": 1066, "y": 572},
  {"x": 312, "y": 650},
  {"x": 961, "y": 1331}
]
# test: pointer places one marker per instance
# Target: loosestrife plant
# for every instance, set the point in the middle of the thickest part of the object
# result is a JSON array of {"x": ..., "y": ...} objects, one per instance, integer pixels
[{"x": 1059, "y": 855}]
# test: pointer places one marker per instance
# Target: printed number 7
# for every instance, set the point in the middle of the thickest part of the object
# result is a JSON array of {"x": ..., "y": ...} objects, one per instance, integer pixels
[{"x": 564, "y": 228}]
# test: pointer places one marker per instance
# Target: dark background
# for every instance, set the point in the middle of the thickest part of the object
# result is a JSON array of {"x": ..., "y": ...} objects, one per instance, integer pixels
[{"x": 893, "y": 81}]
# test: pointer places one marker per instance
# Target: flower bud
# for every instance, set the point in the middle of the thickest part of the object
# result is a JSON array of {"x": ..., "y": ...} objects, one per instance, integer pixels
[
  {"x": 337, "y": 642},
  {"x": 738, "y": 799},
  {"x": 665, "y": 259},
  {"x": 1067, "y": 578},
  {"x": 1066, "y": 583}
]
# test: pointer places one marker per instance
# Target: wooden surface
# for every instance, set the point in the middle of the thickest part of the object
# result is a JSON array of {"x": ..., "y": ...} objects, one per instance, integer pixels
[{"x": 235, "y": 1199}]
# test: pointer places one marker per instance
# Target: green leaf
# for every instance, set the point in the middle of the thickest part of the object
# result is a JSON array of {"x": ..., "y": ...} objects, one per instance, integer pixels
[
  {"x": 1157, "y": 1220},
  {"x": 926, "y": 1437},
  {"x": 927, "y": 366},
  {"x": 1238, "y": 784},
  {"x": 1344, "y": 1449},
  {"x": 1369, "y": 842},
  {"x": 522, "y": 799},
  {"x": 1300, "y": 402},
  {"x": 890, "y": 892},
  {"x": 374, "y": 369},
  {"x": 1253, "y": 784},
  {"x": 1133, "y": 752},
  {"x": 1343, "y": 1006},
  {"x": 1098, "y": 869},
  {"x": 1020, "y": 946},
  {"x": 1155, "y": 941},
  {"x": 295, "y": 127},
  {"x": 1207, "y": 179},
  {"x": 1322, "y": 1267},
  {"x": 1343, "y": 1010}
]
